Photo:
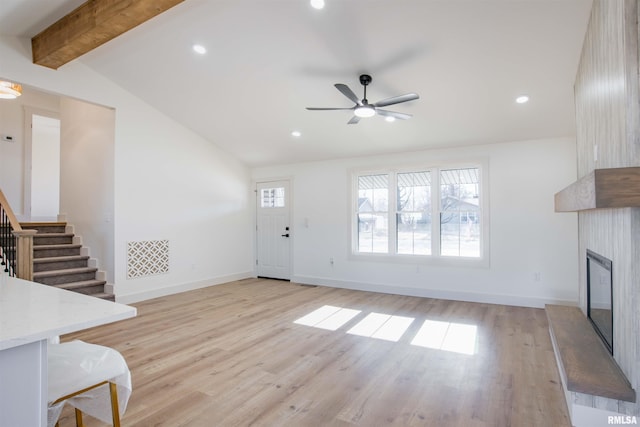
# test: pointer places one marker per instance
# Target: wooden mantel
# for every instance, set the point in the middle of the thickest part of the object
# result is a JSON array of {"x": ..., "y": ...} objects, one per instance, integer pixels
[{"x": 602, "y": 188}]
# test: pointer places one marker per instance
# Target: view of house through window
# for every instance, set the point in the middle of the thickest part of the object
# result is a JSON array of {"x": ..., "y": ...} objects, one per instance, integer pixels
[
  {"x": 373, "y": 213},
  {"x": 459, "y": 209},
  {"x": 399, "y": 213}
]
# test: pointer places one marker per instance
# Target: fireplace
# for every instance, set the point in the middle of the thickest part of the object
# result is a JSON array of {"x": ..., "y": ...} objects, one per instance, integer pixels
[{"x": 599, "y": 297}]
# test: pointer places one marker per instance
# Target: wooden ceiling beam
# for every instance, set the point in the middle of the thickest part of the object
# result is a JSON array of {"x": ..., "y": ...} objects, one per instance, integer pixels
[{"x": 91, "y": 25}]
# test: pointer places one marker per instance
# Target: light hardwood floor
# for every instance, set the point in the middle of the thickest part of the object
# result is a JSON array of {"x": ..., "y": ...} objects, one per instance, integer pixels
[{"x": 231, "y": 355}]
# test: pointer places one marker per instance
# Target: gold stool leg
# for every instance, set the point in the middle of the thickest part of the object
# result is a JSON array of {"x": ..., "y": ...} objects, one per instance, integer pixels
[
  {"x": 79, "y": 422},
  {"x": 115, "y": 411}
]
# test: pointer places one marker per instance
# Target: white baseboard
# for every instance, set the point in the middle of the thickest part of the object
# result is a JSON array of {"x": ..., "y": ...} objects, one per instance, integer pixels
[
  {"x": 515, "y": 300},
  {"x": 182, "y": 287}
]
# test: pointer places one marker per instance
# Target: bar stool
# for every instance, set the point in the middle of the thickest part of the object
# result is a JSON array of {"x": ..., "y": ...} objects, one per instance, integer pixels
[{"x": 94, "y": 379}]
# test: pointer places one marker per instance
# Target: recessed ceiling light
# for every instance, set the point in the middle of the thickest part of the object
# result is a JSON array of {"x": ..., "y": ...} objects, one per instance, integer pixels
[
  {"x": 390, "y": 119},
  {"x": 296, "y": 133},
  {"x": 317, "y": 4},
  {"x": 522, "y": 99},
  {"x": 198, "y": 48}
]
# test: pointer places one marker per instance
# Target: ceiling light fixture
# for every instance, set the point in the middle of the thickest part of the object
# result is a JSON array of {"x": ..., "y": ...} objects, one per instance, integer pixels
[
  {"x": 390, "y": 119},
  {"x": 9, "y": 90},
  {"x": 522, "y": 99},
  {"x": 317, "y": 4},
  {"x": 198, "y": 48},
  {"x": 296, "y": 133},
  {"x": 365, "y": 111}
]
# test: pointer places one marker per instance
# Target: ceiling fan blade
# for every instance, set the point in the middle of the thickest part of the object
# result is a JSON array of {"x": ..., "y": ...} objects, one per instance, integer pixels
[
  {"x": 396, "y": 100},
  {"x": 326, "y": 109},
  {"x": 348, "y": 92},
  {"x": 354, "y": 120},
  {"x": 394, "y": 114}
]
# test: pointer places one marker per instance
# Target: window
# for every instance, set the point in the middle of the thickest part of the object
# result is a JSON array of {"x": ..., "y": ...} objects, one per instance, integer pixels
[
  {"x": 373, "y": 213},
  {"x": 434, "y": 212},
  {"x": 459, "y": 208},
  {"x": 413, "y": 213},
  {"x": 272, "y": 197}
]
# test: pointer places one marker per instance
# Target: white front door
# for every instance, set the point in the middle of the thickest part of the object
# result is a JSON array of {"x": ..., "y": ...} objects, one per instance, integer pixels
[{"x": 273, "y": 234}]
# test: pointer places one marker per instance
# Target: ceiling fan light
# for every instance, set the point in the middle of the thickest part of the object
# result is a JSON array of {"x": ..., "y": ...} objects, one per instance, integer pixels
[
  {"x": 365, "y": 111},
  {"x": 317, "y": 4},
  {"x": 9, "y": 90},
  {"x": 198, "y": 48}
]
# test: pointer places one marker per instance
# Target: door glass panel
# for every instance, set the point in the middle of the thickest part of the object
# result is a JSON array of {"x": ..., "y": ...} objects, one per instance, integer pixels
[{"x": 272, "y": 197}]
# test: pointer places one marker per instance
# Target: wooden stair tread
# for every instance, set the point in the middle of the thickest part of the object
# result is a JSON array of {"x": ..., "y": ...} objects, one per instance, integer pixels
[
  {"x": 587, "y": 365},
  {"x": 54, "y": 235},
  {"x": 50, "y": 273},
  {"x": 81, "y": 284},
  {"x": 57, "y": 246},
  {"x": 60, "y": 258},
  {"x": 43, "y": 224}
]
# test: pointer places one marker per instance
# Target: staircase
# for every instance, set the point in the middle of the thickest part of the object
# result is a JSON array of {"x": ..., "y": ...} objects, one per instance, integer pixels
[{"x": 59, "y": 262}]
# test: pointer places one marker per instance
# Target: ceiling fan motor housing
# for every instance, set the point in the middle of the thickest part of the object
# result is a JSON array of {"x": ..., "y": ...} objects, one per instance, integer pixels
[{"x": 365, "y": 79}]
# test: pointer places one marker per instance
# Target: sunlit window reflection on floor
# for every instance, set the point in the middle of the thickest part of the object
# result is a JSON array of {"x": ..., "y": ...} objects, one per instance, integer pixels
[
  {"x": 382, "y": 326},
  {"x": 456, "y": 337},
  {"x": 328, "y": 317},
  {"x": 439, "y": 335}
]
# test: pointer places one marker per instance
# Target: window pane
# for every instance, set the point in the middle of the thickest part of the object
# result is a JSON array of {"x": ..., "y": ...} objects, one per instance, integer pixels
[
  {"x": 373, "y": 216},
  {"x": 414, "y": 233},
  {"x": 413, "y": 218},
  {"x": 414, "y": 191},
  {"x": 460, "y": 212},
  {"x": 373, "y": 230},
  {"x": 272, "y": 197},
  {"x": 373, "y": 193}
]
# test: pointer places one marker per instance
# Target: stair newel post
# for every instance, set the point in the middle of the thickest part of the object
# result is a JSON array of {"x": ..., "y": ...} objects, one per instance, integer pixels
[{"x": 24, "y": 254}]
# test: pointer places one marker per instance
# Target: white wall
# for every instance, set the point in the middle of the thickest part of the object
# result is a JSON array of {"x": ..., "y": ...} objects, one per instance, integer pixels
[
  {"x": 526, "y": 236},
  {"x": 169, "y": 183},
  {"x": 86, "y": 178}
]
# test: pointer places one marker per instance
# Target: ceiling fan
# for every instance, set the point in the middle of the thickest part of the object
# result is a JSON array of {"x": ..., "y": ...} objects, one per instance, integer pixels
[{"x": 363, "y": 109}]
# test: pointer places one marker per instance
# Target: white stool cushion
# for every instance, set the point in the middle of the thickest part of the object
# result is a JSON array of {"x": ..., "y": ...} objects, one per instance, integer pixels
[{"x": 76, "y": 365}]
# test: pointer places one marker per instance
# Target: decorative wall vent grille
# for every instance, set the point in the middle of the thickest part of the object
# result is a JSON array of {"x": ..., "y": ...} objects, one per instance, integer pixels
[{"x": 147, "y": 258}]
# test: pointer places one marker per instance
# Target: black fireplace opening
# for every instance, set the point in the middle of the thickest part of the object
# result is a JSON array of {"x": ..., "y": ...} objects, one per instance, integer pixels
[{"x": 600, "y": 297}]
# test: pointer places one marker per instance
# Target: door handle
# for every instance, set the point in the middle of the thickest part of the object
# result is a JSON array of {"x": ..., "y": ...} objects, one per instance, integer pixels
[{"x": 285, "y": 235}]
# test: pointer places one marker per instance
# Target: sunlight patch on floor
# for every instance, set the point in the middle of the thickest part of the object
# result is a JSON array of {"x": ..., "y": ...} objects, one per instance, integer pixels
[
  {"x": 382, "y": 326},
  {"x": 455, "y": 337},
  {"x": 328, "y": 317}
]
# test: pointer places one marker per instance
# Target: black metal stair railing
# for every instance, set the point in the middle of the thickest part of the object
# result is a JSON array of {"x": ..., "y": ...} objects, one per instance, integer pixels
[
  {"x": 8, "y": 243},
  {"x": 16, "y": 244}
]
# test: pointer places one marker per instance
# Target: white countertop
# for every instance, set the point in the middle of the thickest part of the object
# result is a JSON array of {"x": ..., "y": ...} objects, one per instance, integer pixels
[{"x": 32, "y": 312}]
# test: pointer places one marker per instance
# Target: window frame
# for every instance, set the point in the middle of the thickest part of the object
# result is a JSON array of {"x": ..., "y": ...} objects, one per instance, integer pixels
[{"x": 435, "y": 258}]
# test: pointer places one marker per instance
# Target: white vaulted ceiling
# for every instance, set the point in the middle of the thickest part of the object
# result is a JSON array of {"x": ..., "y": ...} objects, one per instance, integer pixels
[{"x": 267, "y": 60}]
